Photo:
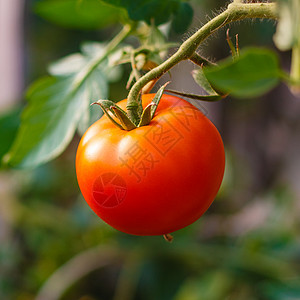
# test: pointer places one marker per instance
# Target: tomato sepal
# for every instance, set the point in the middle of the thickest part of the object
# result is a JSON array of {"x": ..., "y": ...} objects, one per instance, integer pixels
[
  {"x": 157, "y": 98},
  {"x": 150, "y": 109},
  {"x": 146, "y": 115},
  {"x": 113, "y": 111},
  {"x": 110, "y": 106},
  {"x": 123, "y": 118}
]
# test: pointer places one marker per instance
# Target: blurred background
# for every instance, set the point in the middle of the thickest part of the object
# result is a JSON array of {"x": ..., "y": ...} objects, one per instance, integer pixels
[{"x": 245, "y": 247}]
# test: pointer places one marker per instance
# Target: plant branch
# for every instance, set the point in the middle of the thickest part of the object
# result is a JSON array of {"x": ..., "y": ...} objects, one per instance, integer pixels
[{"x": 235, "y": 11}]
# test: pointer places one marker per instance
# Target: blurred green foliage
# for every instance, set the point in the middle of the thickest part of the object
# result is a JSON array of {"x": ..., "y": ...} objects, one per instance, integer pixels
[{"x": 227, "y": 254}]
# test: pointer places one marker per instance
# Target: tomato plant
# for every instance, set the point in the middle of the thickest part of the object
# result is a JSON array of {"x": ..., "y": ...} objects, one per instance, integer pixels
[
  {"x": 154, "y": 179},
  {"x": 154, "y": 168},
  {"x": 59, "y": 104}
]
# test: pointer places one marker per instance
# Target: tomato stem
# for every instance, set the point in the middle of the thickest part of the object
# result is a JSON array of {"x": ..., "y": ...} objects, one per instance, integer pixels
[
  {"x": 234, "y": 12},
  {"x": 168, "y": 237}
]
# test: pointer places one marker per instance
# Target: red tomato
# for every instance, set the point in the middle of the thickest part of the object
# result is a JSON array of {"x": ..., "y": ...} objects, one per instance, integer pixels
[{"x": 155, "y": 179}]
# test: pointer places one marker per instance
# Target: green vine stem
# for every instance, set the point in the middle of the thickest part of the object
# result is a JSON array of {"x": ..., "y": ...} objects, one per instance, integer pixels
[{"x": 234, "y": 12}]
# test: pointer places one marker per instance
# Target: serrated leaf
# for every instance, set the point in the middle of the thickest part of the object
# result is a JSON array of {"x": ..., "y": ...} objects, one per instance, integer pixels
[
  {"x": 96, "y": 87},
  {"x": 84, "y": 14},
  {"x": 288, "y": 28},
  {"x": 92, "y": 48},
  {"x": 67, "y": 65},
  {"x": 55, "y": 107},
  {"x": 201, "y": 80},
  {"x": 75, "y": 62},
  {"x": 96, "y": 84},
  {"x": 183, "y": 17},
  {"x": 50, "y": 119},
  {"x": 253, "y": 73},
  {"x": 48, "y": 122}
]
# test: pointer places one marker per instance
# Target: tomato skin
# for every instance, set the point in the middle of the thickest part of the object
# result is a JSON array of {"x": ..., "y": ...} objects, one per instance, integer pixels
[{"x": 155, "y": 179}]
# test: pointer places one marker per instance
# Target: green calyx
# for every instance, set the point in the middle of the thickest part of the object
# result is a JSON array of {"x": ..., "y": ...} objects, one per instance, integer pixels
[{"x": 121, "y": 119}]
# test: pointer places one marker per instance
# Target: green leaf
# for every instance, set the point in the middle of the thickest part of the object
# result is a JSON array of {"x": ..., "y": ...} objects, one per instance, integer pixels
[
  {"x": 56, "y": 107},
  {"x": 75, "y": 62},
  {"x": 183, "y": 17},
  {"x": 51, "y": 117},
  {"x": 253, "y": 73},
  {"x": 288, "y": 28},
  {"x": 91, "y": 49},
  {"x": 83, "y": 14},
  {"x": 67, "y": 65},
  {"x": 159, "y": 11},
  {"x": 48, "y": 123},
  {"x": 9, "y": 123},
  {"x": 146, "y": 10},
  {"x": 96, "y": 87},
  {"x": 201, "y": 79},
  {"x": 112, "y": 72}
]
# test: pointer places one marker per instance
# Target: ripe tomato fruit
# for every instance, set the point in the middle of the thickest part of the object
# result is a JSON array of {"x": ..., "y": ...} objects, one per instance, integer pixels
[{"x": 154, "y": 179}]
